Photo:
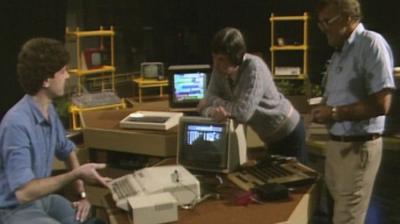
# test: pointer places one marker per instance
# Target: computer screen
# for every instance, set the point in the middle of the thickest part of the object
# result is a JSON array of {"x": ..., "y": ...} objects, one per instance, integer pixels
[
  {"x": 94, "y": 58},
  {"x": 152, "y": 70},
  {"x": 204, "y": 144},
  {"x": 188, "y": 85}
]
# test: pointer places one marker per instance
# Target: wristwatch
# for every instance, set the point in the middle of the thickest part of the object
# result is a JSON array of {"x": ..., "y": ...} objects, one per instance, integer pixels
[
  {"x": 82, "y": 195},
  {"x": 334, "y": 114}
]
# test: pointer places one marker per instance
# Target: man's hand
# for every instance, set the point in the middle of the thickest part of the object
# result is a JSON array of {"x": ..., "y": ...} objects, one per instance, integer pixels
[
  {"x": 201, "y": 105},
  {"x": 88, "y": 173},
  {"x": 220, "y": 114},
  {"x": 82, "y": 209},
  {"x": 322, "y": 114}
]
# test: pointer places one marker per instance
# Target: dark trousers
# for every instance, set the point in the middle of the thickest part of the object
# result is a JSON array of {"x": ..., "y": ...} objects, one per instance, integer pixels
[{"x": 293, "y": 145}]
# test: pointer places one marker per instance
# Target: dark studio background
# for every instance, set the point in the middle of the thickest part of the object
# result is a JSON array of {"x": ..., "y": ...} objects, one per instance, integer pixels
[{"x": 171, "y": 31}]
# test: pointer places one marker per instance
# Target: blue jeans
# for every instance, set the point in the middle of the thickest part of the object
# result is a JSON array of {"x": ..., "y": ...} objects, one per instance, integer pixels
[
  {"x": 292, "y": 145},
  {"x": 51, "y": 209}
]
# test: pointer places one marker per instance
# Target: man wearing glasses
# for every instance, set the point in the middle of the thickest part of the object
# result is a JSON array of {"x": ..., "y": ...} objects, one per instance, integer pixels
[{"x": 357, "y": 95}]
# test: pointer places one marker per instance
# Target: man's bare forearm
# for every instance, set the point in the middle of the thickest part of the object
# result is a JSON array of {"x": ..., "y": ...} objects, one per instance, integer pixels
[
  {"x": 38, "y": 188},
  {"x": 73, "y": 163}
]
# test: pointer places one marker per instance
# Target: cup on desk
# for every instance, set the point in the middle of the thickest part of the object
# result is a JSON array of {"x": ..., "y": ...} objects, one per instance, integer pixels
[{"x": 315, "y": 101}]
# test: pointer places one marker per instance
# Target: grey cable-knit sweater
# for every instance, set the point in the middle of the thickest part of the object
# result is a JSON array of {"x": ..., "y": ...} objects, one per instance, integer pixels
[{"x": 253, "y": 100}]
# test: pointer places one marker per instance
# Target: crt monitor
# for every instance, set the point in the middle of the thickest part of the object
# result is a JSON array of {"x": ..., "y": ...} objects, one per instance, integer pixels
[
  {"x": 188, "y": 85},
  {"x": 152, "y": 70},
  {"x": 206, "y": 145},
  {"x": 94, "y": 58}
]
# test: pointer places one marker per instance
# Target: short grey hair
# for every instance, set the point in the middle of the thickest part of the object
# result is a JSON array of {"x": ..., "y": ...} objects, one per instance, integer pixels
[{"x": 350, "y": 8}]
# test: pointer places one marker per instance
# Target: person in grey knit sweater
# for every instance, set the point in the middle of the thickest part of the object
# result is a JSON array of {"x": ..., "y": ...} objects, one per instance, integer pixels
[{"x": 242, "y": 87}]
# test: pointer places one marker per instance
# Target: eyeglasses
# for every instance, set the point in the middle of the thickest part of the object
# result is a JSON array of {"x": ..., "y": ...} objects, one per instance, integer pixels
[{"x": 324, "y": 24}]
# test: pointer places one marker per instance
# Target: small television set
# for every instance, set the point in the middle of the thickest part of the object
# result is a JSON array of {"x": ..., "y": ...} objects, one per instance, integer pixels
[
  {"x": 188, "y": 85},
  {"x": 152, "y": 70},
  {"x": 94, "y": 58},
  {"x": 206, "y": 145}
]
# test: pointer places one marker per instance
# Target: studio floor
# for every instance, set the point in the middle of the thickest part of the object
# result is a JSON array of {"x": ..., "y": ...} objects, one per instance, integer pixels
[{"x": 385, "y": 202}]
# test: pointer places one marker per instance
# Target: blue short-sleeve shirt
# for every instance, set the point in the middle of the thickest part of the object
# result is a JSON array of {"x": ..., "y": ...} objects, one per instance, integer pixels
[
  {"x": 364, "y": 66},
  {"x": 28, "y": 143}
]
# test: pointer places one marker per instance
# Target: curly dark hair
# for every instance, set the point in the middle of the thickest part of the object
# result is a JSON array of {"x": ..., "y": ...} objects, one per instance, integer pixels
[
  {"x": 230, "y": 41},
  {"x": 39, "y": 59}
]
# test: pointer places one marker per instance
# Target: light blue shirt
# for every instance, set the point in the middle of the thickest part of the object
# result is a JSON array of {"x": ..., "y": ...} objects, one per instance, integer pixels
[
  {"x": 28, "y": 143},
  {"x": 364, "y": 66}
]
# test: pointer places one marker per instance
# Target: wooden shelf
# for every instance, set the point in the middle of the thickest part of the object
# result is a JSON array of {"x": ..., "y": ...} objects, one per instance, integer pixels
[
  {"x": 293, "y": 77},
  {"x": 95, "y": 33},
  {"x": 103, "y": 69},
  {"x": 289, "y": 18},
  {"x": 296, "y": 50},
  {"x": 289, "y": 48},
  {"x": 150, "y": 83},
  {"x": 81, "y": 70},
  {"x": 105, "y": 72}
]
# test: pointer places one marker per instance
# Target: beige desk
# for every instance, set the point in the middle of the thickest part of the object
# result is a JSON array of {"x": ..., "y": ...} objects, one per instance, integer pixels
[
  {"x": 297, "y": 210},
  {"x": 150, "y": 83},
  {"x": 101, "y": 130}
]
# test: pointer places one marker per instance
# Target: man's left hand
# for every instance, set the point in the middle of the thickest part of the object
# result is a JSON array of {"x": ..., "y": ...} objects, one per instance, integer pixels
[
  {"x": 220, "y": 114},
  {"x": 82, "y": 209},
  {"x": 322, "y": 114},
  {"x": 201, "y": 105}
]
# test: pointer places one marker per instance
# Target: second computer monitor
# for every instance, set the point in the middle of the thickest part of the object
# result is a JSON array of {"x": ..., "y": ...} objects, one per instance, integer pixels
[
  {"x": 152, "y": 70},
  {"x": 188, "y": 85},
  {"x": 206, "y": 145}
]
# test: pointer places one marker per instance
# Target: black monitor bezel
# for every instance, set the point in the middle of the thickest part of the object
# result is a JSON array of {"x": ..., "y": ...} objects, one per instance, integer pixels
[
  {"x": 184, "y": 122},
  {"x": 184, "y": 70}
]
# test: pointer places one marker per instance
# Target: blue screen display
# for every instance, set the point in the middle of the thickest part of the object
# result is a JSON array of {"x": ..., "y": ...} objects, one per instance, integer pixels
[{"x": 189, "y": 87}]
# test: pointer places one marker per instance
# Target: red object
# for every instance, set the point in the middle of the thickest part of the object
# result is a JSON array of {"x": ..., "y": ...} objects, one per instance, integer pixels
[
  {"x": 244, "y": 198},
  {"x": 94, "y": 57}
]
